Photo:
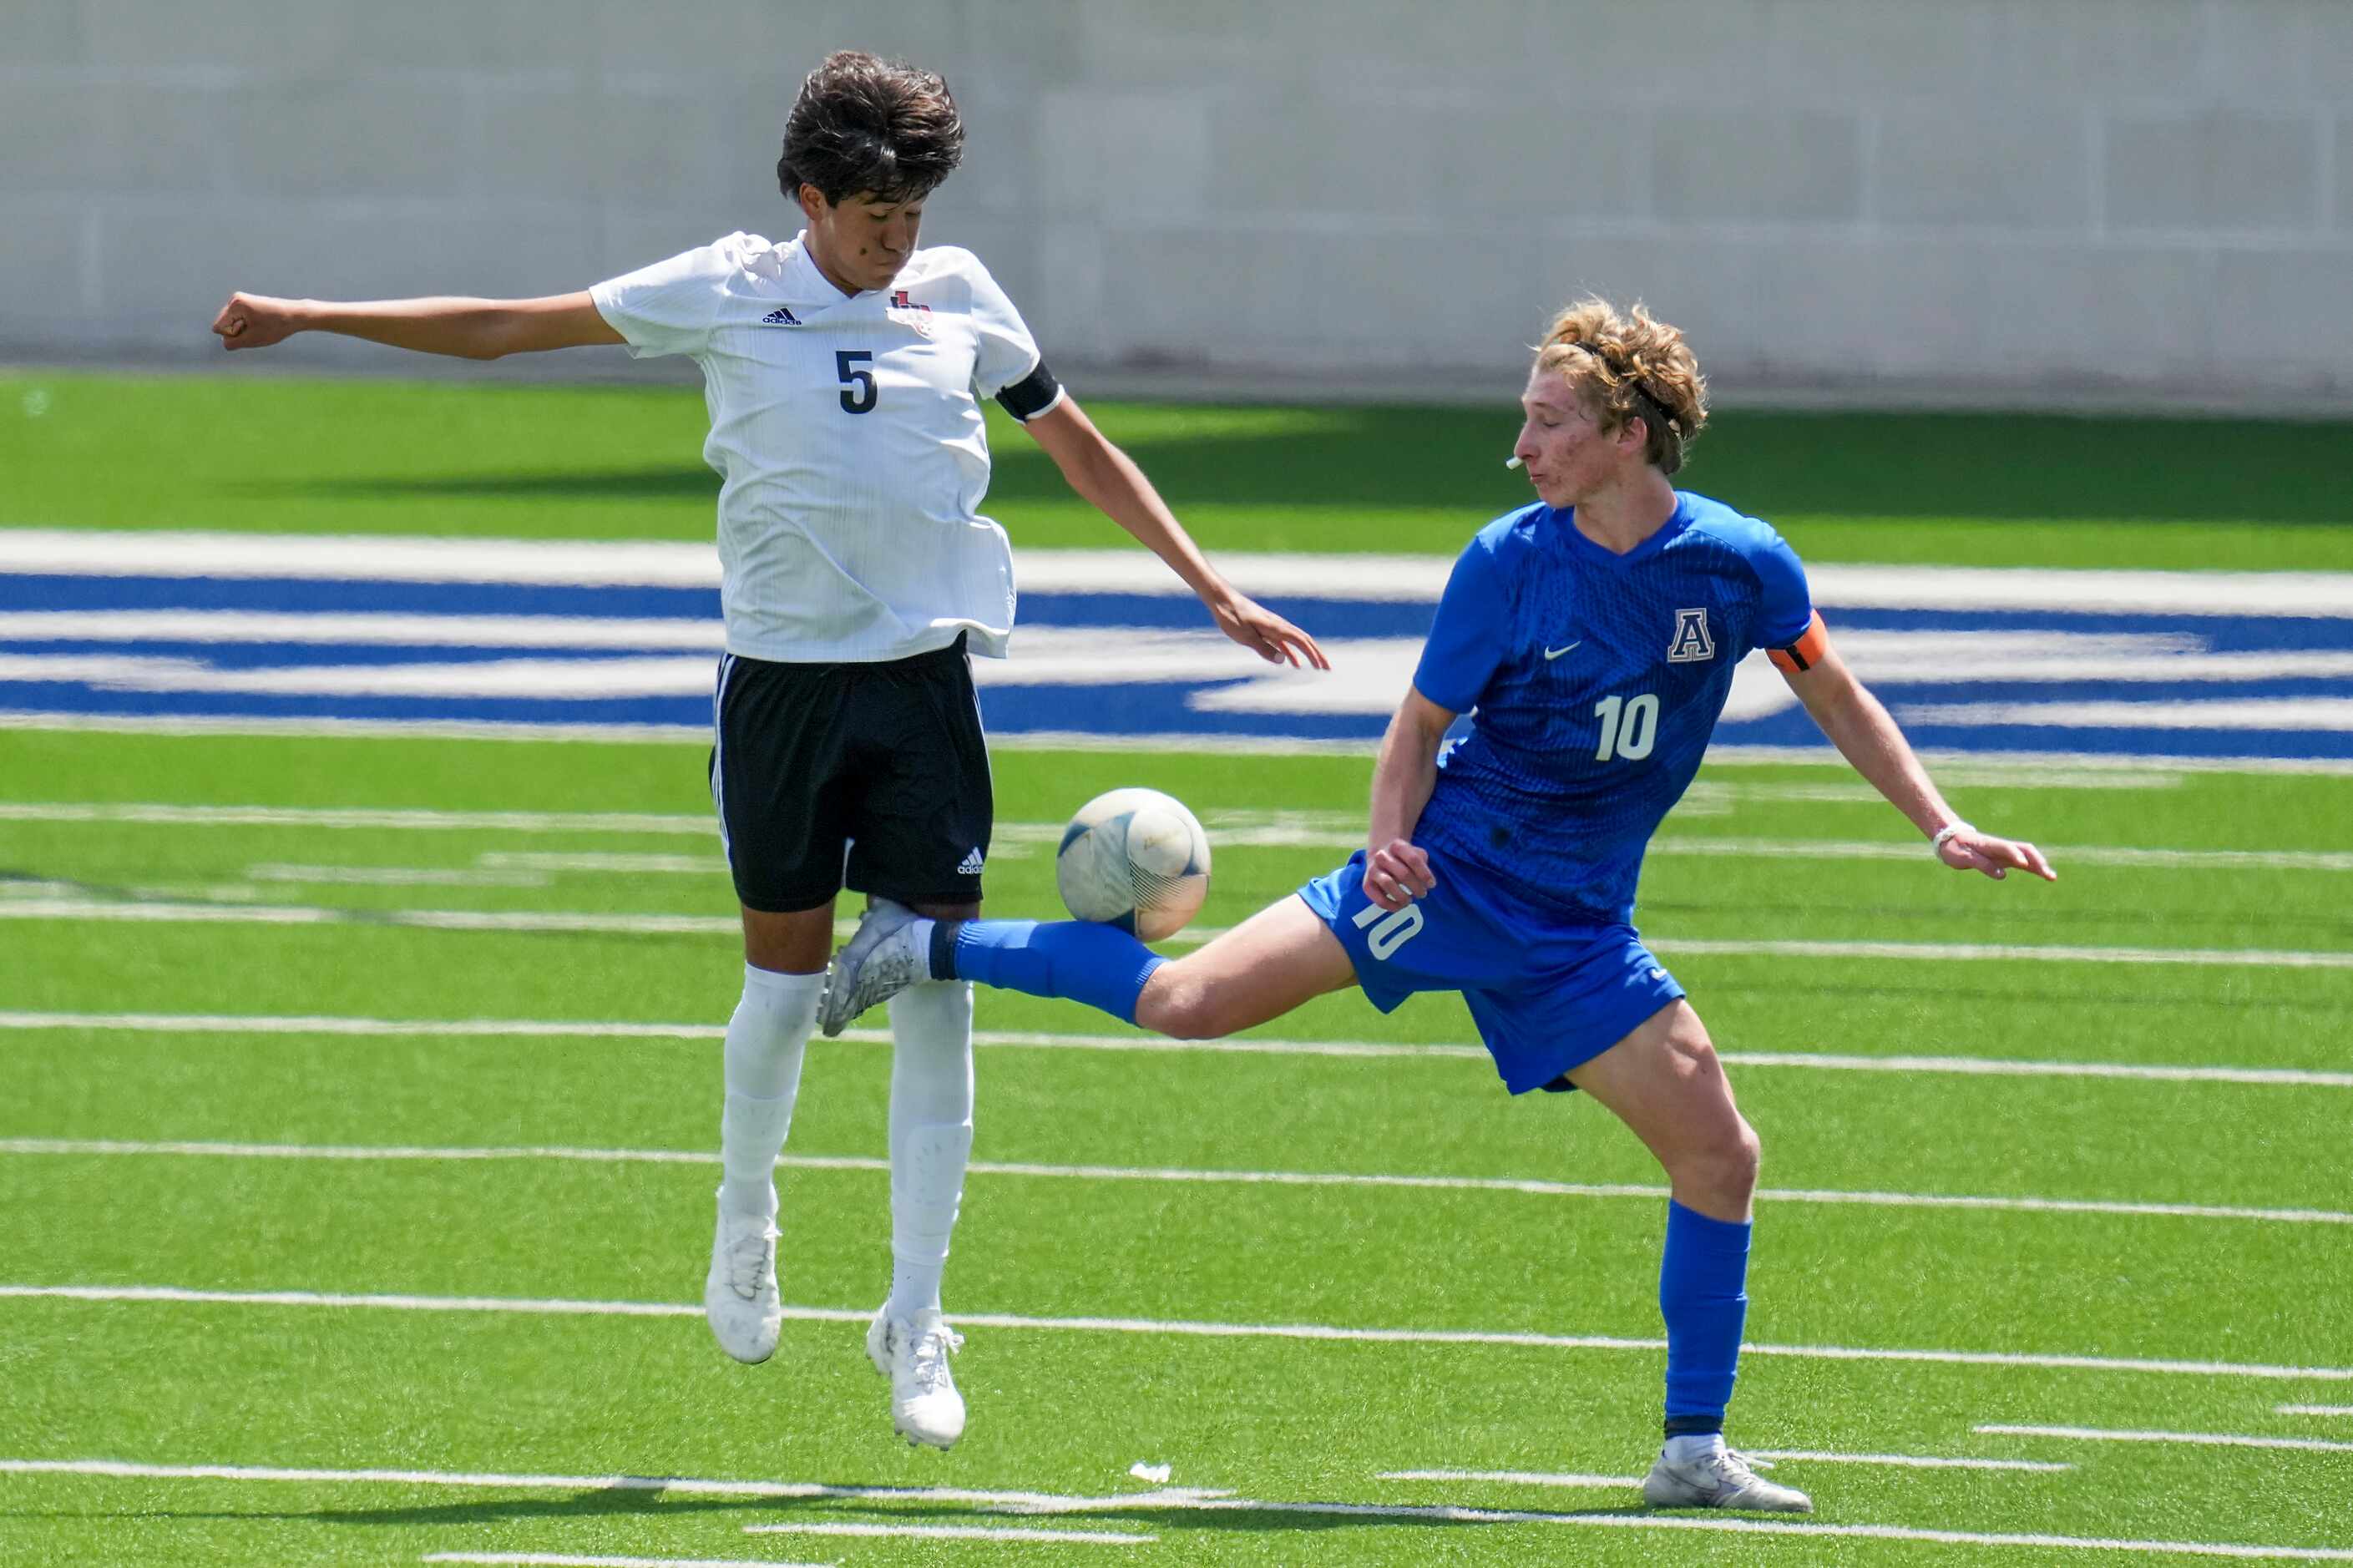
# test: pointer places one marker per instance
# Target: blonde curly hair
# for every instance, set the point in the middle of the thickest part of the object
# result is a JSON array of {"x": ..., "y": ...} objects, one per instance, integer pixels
[{"x": 1629, "y": 366}]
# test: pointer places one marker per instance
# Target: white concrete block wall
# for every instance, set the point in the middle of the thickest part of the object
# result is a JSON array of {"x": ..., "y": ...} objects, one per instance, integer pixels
[{"x": 2023, "y": 199}]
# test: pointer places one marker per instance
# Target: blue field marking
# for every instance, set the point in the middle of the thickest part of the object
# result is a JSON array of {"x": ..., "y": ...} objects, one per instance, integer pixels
[{"x": 117, "y": 628}]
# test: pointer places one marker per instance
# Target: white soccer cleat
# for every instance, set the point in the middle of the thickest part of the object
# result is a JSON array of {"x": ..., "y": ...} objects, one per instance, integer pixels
[
  {"x": 1718, "y": 1477},
  {"x": 739, "y": 1295},
  {"x": 925, "y": 1404},
  {"x": 881, "y": 960}
]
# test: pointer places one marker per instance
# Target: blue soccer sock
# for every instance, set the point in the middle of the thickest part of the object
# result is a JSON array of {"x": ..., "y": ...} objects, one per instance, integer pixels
[
  {"x": 1704, "y": 1296},
  {"x": 1100, "y": 965}
]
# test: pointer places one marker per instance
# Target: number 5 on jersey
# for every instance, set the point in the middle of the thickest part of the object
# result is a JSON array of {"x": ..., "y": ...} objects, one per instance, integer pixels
[
  {"x": 1629, "y": 727},
  {"x": 852, "y": 366}
]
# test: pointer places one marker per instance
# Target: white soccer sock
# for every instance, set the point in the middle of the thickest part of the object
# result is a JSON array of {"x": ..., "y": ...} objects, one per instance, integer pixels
[
  {"x": 931, "y": 1135},
  {"x": 765, "y": 1040},
  {"x": 1685, "y": 1450}
]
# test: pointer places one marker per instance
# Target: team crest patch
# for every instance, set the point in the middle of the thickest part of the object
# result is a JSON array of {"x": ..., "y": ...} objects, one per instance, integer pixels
[
  {"x": 1692, "y": 643},
  {"x": 908, "y": 314}
]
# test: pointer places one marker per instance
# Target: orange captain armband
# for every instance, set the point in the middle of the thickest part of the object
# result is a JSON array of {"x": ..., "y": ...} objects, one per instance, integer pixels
[{"x": 1805, "y": 652}]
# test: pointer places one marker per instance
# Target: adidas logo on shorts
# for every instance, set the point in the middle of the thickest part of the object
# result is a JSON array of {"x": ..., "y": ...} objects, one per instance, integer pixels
[{"x": 971, "y": 866}]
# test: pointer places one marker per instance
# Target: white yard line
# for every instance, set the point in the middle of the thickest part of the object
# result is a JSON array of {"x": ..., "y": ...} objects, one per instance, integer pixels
[
  {"x": 1512, "y": 1477},
  {"x": 167, "y": 815},
  {"x": 685, "y": 1486},
  {"x": 370, "y": 627},
  {"x": 393, "y": 729},
  {"x": 1969, "y": 1537},
  {"x": 575, "y": 1307},
  {"x": 2192, "y": 1439},
  {"x": 584, "y": 922},
  {"x": 1189, "y": 1503},
  {"x": 1900, "y": 1461},
  {"x": 626, "y": 864},
  {"x": 2062, "y": 855},
  {"x": 1996, "y": 952},
  {"x": 552, "y": 1029},
  {"x": 958, "y": 1533},
  {"x": 2313, "y": 1409},
  {"x": 2328, "y": 714},
  {"x": 566, "y": 1560},
  {"x": 1728, "y": 755},
  {"x": 1906, "y": 1461},
  {"x": 1285, "y": 831},
  {"x": 394, "y": 1028},
  {"x": 1523, "y": 1186},
  {"x": 1997, "y": 1067},
  {"x": 398, "y": 876},
  {"x": 1390, "y": 577},
  {"x": 574, "y": 922},
  {"x": 1941, "y": 758}
]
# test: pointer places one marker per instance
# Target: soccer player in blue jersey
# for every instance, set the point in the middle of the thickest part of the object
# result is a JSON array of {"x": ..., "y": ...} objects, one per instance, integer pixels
[{"x": 1592, "y": 637}]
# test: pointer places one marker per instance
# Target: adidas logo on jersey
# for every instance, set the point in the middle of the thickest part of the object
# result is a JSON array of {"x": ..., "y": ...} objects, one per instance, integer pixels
[
  {"x": 972, "y": 864},
  {"x": 780, "y": 317}
]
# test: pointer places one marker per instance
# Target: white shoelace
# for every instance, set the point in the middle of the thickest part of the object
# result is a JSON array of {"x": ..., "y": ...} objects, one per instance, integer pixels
[
  {"x": 751, "y": 1259},
  {"x": 1736, "y": 1468},
  {"x": 927, "y": 1358}
]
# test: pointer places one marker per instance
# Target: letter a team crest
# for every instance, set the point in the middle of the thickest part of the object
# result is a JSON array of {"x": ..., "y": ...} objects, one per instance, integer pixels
[{"x": 1691, "y": 644}]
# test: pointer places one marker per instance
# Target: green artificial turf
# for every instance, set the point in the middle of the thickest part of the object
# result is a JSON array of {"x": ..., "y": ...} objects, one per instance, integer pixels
[
  {"x": 1092, "y": 1200},
  {"x": 162, "y": 1124},
  {"x": 247, "y": 450}
]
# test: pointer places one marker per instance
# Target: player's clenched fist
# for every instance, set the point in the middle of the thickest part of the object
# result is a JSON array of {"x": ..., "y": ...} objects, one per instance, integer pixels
[
  {"x": 1397, "y": 873},
  {"x": 255, "y": 322}
]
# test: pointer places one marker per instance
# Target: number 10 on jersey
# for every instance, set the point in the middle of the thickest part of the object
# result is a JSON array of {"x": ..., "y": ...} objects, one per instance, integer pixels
[{"x": 1629, "y": 727}]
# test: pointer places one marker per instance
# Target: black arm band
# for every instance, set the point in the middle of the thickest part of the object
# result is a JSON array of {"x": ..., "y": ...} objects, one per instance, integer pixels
[{"x": 1032, "y": 394}]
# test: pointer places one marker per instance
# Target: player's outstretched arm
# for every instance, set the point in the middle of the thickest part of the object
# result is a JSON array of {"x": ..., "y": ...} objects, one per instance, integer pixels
[
  {"x": 467, "y": 328},
  {"x": 1397, "y": 870},
  {"x": 1866, "y": 735},
  {"x": 1110, "y": 481}
]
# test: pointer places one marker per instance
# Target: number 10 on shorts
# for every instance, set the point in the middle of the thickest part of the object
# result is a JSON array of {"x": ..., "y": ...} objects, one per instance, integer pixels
[{"x": 1394, "y": 929}]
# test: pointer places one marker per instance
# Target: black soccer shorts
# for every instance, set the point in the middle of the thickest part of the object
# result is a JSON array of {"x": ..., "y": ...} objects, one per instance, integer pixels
[{"x": 873, "y": 776}]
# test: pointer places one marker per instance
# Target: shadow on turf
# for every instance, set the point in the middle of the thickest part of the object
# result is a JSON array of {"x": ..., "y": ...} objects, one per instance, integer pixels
[{"x": 609, "y": 1502}]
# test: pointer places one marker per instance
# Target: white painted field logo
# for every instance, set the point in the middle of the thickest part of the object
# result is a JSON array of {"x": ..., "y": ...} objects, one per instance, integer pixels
[
  {"x": 1692, "y": 643},
  {"x": 517, "y": 637}
]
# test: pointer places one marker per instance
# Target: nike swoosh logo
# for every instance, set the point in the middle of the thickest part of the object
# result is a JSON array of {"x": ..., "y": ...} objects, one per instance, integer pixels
[{"x": 1553, "y": 653}]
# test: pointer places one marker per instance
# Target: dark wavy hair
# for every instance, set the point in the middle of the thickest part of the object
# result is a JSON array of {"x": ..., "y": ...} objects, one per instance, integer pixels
[{"x": 867, "y": 125}]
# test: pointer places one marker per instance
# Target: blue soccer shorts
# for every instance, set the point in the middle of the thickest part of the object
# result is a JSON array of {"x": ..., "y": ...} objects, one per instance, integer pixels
[{"x": 1547, "y": 995}]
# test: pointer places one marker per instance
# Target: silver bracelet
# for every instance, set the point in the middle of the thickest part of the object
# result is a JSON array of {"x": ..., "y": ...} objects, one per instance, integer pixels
[{"x": 1944, "y": 834}]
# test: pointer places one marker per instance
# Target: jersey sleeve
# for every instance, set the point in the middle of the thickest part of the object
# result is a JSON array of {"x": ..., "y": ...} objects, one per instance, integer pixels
[
  {"x": 1785, "y": 625},
  {"x": 670, "y": 307},
  {"x": 1466, "y": 640},
  {"x": 1005, "y": 353}
]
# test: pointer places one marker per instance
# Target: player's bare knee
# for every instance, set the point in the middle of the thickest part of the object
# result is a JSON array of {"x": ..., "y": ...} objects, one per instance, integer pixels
[
  {"x": 1178, "y": 1006},
  {"x": 1718, "y": 1168},
  {"x": 1738, "y": 1161}
]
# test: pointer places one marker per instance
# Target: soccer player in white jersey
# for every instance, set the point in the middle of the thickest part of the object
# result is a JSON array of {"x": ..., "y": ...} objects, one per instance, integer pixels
[
  {"x": 843, "y": 369},
  {"x": 1592, "y": 635}
]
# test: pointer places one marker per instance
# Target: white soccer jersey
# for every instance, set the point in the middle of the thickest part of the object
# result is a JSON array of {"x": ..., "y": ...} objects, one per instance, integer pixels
[{"x": 847, "y": 429}]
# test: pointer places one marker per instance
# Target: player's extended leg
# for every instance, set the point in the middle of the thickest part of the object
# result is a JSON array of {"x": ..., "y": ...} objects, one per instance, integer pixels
[
  {"x": 1663, "y": 1081},
  {"x": 1279, "y": 959},
  {"x": 930, "y": 1143},
  {"x": 1259, "y": 970},
  {"x": 783, "y": 957}
]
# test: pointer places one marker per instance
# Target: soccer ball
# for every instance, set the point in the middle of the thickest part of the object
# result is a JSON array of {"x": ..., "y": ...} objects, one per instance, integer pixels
[{"x": 1136, "y": 860}]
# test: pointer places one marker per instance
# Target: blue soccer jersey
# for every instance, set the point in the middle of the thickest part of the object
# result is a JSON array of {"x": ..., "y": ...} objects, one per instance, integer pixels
[{"x": 1594, "y": 680}]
